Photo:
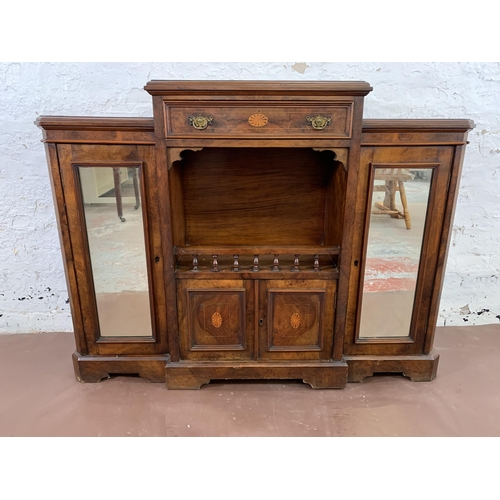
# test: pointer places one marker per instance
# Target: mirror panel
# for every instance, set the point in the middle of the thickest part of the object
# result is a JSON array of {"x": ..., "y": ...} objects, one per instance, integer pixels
[
  {"x": 400, "y": 199},
  {"x": 115, "y": 234}
]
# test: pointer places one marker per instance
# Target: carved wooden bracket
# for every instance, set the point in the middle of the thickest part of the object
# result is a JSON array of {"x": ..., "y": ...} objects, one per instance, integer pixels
[
  {"x": 341, "y": 155},
  {"x": 174, "y": 154}
]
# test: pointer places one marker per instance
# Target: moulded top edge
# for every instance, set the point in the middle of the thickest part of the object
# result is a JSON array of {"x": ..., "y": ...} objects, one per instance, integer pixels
[
  {"x": 423, "y": 124},
  {"x": 146, "y": 123},
  {"x": 94, "y": 123},
  {"x": 160, "y": 87}
]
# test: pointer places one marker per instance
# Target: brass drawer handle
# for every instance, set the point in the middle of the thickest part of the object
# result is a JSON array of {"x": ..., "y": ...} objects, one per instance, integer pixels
[
  {"x": 319, "y": 122},
  {"x": 200, "y": 122}
]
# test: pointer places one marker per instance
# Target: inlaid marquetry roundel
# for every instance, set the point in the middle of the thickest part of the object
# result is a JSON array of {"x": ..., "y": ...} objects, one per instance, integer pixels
[
  {"x": 216, "y": 319},
  {"x": 295, "y": 320},
  {"x": 258, "y": 120}
]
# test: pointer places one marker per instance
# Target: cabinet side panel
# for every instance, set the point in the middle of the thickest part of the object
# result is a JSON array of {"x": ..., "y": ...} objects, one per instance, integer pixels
[
  {"x": 177, "y": 200},
  {"x": 66, "y": 248},
  {"x": 334, "y": 206},
  {"x": 454, "y": 184}
]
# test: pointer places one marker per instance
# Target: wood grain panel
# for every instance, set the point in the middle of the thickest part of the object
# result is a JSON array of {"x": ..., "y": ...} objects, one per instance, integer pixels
[
  {"x": 255, "y": 196},
  {"x": 335, "y": 203},
  {"x": 282, "y": 121},
  {"x": 348, "y": 234},
  {"x": 296, "y": 319},
  {"x": 440, "y": 159},
  {"x": 318, "y": 374},
  {"x": 216, "y": 319},
  {"x": 66, "y": 247},
  {"x": 96, "y": 130},
  {"x": 165, "y": 228},
  {"x": 71, "y": 156},
  {"x": 213, "y": 89}
]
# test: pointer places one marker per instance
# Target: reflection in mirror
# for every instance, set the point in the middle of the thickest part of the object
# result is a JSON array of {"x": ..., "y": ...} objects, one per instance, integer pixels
[
  {"x": 115, "y": 231},
  {"x": 396, "y": 228}
]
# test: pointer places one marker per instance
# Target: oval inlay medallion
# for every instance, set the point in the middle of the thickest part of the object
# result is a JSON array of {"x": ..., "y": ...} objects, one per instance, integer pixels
[
  {"x": 258, "y": 120},
  {"x": 295, "y": 320},
  {"x": 216, "y": 319}
]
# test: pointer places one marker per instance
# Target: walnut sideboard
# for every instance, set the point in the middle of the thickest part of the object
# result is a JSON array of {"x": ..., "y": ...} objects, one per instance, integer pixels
[{"x": 254, "y": 230}]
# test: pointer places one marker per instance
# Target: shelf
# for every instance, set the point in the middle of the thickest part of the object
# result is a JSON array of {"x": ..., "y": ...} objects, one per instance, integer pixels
[{"x": 256, "y": 250}]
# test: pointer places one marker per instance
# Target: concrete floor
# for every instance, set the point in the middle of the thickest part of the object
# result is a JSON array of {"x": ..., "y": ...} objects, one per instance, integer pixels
[{"x": 39, "y": 396}]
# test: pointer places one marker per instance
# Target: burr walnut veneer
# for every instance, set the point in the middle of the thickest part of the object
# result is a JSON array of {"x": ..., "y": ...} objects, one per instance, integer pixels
[{"x": 252, "y": 244}]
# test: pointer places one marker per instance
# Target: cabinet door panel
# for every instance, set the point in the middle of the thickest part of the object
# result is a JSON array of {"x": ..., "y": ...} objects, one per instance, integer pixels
[
  {"x": 112, "y": 219},
  {"x": 296, "y": 319},
  {"x": 404, "y": 192},
  {"x": 216, "y": 319}
]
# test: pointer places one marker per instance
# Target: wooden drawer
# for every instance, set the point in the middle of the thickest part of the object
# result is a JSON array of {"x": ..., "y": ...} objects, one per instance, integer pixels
[
  {"x": 259, "y": 121},
  {"x": 296, "y": 319},
  {"x": 216, "y": 319}
]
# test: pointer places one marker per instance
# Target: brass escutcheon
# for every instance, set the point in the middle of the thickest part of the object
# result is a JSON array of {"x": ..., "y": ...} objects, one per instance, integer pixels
[
  {"x": 295, "y": 320},
  {"x": 319, "y": 122},
  {"x": 216, "y": 319},
  {"x": 200, "y": 122}
]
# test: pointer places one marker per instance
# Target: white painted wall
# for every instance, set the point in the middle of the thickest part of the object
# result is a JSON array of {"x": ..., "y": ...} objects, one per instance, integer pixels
[{"x": 33, "y": 290}]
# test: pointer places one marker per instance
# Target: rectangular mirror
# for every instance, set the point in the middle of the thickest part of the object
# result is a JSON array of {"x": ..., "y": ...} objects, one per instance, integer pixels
[
  {"x": 115, "y": 234},
  {"x": 395, "y": 233}
]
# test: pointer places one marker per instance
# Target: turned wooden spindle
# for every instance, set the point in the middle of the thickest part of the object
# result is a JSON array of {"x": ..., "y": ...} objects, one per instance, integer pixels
[
  {"x": 255, "y": 263},
  {"x": 236, "y": 264},
  {"x": 195, "y": 263},
  {"x": 276, "y": 263},
  {"x": 316, "y": 262},
  {"x": 215, "y": 264},
  {"x": 295, "y": 267}
]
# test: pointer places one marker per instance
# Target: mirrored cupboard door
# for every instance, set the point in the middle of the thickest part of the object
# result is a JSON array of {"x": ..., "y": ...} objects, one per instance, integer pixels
[
  {"x": 111, "y": 208},
  {"x": 397, "y": 257}
]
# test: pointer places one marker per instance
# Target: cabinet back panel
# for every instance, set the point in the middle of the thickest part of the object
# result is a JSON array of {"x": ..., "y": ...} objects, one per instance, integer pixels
[{"x": 246, "y": 196}]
